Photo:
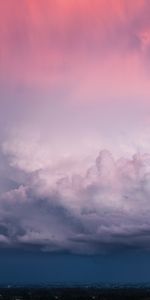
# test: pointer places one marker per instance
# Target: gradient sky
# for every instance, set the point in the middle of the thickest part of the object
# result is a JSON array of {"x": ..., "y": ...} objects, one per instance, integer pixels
[{"x": 74, "y": 137}]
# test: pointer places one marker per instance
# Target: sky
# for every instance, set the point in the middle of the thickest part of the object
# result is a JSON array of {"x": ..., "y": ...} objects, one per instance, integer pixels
[{"x": 74, "y": 137}]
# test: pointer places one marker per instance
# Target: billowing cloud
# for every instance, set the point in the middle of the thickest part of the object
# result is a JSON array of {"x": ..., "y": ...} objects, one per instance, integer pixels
[
  {"x": 74, "y": 78},
  {"x": 103, "y": 208}
]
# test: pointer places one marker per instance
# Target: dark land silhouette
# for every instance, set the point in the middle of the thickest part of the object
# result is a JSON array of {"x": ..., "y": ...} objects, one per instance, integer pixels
[{"x": 74, "y": 293}]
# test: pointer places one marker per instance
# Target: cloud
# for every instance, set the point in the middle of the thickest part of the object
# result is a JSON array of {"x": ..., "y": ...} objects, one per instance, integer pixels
[
  {"x": 74, "y": 79},
  {"x": 104, "y": 208}
]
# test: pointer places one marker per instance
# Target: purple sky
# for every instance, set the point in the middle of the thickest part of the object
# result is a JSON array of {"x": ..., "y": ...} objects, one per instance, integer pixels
[{"x": 75, "y": 116}]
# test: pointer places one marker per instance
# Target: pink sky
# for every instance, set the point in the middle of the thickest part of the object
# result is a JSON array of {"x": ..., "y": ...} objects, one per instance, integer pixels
[
  {"x": 61, "y": 43},
  {"x": 74, "y": 80}
]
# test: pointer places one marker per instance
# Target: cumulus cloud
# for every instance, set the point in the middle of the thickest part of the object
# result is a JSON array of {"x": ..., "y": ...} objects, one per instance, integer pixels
[
  {"x": 73, "y": 80},
  {"x": 104, "y": 208}
]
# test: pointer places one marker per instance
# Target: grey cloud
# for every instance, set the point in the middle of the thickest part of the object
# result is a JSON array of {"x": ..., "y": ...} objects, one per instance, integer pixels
[{"x": 106, "y": 208}]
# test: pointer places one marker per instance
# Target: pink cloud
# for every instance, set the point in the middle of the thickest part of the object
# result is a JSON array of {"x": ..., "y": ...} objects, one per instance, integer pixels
[
  {"x": 74, "y": 78},
  {"x": 104, "y": 208}
]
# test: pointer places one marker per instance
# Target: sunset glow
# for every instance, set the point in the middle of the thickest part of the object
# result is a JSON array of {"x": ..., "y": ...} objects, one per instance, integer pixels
[{"x": 75, "y": 117}]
